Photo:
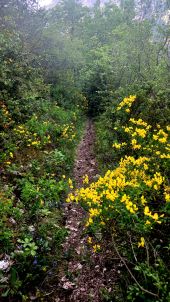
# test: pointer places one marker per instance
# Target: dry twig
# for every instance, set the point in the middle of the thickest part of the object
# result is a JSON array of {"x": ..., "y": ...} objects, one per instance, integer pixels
[{"x": 133, "y": 277}]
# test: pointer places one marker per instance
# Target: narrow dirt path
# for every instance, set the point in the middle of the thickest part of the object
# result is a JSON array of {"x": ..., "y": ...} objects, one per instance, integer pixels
[
  {"x": 85, "y": 272},
  {"x": 81, "y": 282},
  {"x": 85, "y": 160}
]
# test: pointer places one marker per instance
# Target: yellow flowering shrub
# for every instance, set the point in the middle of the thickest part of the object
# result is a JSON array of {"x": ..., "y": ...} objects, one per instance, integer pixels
[
  {"x": 69, "y": 132},
  {"x": 127, "y": 103},
  {"x": 127, "y": 192},
  {"x": 131, "y": 201},
  {"x": 25, "y": 136},
  {"x": 141, "y": 136},
  {"x": 136, "y": 194}
]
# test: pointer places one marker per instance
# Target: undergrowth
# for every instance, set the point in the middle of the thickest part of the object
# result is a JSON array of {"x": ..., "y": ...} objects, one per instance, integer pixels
[
  {"x": 130, "y": 203},
  {"x": 37, "y": 155}
]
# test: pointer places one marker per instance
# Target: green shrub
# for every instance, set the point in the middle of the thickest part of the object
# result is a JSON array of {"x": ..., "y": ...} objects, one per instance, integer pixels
[{"x": 130, "y": 203}]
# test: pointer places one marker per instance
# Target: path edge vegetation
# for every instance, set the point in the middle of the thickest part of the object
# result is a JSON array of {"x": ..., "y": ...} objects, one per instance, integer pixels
[{"x": 56, "y": 67}]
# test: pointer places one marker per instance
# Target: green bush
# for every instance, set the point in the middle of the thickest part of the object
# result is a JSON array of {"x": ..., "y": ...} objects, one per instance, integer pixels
[
  {"x": 38, "y": 142},
  {"x": 130, "y": 204}
]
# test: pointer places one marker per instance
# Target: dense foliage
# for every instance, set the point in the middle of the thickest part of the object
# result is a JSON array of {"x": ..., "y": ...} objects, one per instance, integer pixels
[
  {"x": 37, "y": 144},
  {"x": 57, "y": 65},
  {"x": 130, "y": 203}
]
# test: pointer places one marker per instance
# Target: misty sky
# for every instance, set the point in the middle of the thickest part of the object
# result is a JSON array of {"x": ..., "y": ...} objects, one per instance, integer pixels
[{"x": 44, "y": 2}]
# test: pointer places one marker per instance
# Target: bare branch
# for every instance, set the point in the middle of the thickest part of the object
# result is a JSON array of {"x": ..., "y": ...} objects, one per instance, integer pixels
[{"x": 133, "y": 277}]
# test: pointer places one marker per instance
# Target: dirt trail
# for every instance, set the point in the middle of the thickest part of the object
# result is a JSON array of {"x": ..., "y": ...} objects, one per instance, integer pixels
[
  {"x": 85, "y": 160},
  {"x": 82, "y": 282},
  {"x": 85, "y": 273}
]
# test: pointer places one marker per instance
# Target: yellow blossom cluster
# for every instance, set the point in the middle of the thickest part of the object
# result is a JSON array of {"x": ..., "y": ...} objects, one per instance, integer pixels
[
  {"x": 130, "y": 206},
  {"x": 70, "y": 183},
  {"x": 167, "y": 193},
  {"x": 96, "y": 248},
  {"x": 127, "y": 102},
  {"x": 8, "y": 162},
  {"x": 161, "y": 136},
  {"x": 168, "y": 128},
  {"x": 139, "y": 122},
  {"x": 142, "y": 138},
  {"x": 68, "y": 131},
  {"x": 115, "y": 192},
  {"x": 154, "y": 216},
  {"x": 137, "y": 190},
  {"x": 30, "y": 138},
  {"x": 140, "y": 131},
  {"x": 142, "y": 242},
  {"x": 119, "y": 145},
  {"x": 7, "y": 120},
  {"x": 135, "y": 145},
  {"x": 10, "y": 156},
  {"x": 85, "y": 179}
]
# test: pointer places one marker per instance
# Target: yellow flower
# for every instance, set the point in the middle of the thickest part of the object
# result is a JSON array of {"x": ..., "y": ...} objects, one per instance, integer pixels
[
  {"x": 94, "y": 212},
  {"x": 116, "y": 145},
  {"x": 136, "y": 147},
  {"x": 158, "y": 178},
  {"x": 143, "y": 200},
  {"x": 8, "y": 162},
  {"x": 168, "y": 128},
  {"x": 96, "y": 248},
  {"x": 141, "y": 132},
  {"x": 85, "y": 179},
  {"x": 70, "y": 183},
  {"x": 155, "y": 216},
  {"x": 134, "y": 141},
  {"x": 90, "y": 221},
  {"x": 145, "y": 167},
  {"x": 71, "y": 197},
  {"x": 163, "y": 140},
  {"x": 156, "y": 187},
  {"x": 147, "y": 211},
  {"x": 127, "y": 102},
  {"x": 127, "y": 129},
  {"x": 142, "y": 242},
  {"x": 125, "y": 198},
  {"x": 155, "y": 137},
  {"x": 11, "y": 154},
  {"x": 89, "y": 240},
  {"x": 140, "y": 122},
  {"x": 147, "y": 222},
  {"x": 167, "y": 197},
  {"x": 44, "y": 268}
]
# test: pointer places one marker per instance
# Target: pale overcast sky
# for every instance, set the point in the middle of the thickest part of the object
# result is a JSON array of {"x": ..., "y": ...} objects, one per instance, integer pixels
[{"x": 45, "y": 2}]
